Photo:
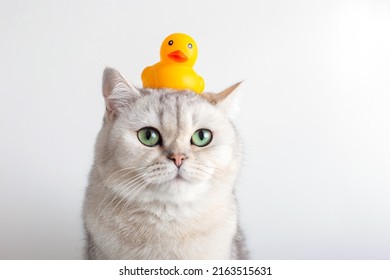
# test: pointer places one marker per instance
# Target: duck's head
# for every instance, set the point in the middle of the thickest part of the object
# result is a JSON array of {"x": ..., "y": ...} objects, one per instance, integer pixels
[{"x": 179, "y": 48}]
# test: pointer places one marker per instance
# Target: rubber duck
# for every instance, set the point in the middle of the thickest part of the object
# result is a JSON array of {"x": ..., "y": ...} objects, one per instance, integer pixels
[{"x": 178, "y": 54}]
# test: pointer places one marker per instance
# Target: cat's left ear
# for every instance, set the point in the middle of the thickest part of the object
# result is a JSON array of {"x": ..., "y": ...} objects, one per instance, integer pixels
[{"x": 227, "y": 99}]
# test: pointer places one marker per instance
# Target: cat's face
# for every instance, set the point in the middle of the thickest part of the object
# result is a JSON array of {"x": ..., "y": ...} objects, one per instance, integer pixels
[{"x": 168, "y": 143}]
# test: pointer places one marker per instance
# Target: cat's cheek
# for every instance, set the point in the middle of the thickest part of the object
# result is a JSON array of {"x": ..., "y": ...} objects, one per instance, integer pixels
[
  {"x": 160, "y": 172},
  {"x": 195, "y": 173},
  {"x": 130, "y": 153},
  {"x": 186, "y": 175},
  {"x": 218, "y": 157}
]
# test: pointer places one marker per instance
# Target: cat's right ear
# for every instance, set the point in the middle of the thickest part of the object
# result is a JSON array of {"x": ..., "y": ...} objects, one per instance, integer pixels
[
  {"x": 117, "y": 92},
  {"x": 227, "y": 100}
]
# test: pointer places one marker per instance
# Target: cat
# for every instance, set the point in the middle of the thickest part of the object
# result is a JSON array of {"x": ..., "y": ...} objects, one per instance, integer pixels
[{"x": 163, "y": 179}]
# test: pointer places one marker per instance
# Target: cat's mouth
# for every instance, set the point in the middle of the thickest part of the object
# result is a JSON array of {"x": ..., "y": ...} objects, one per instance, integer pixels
[{"x": 178, "y": 177}]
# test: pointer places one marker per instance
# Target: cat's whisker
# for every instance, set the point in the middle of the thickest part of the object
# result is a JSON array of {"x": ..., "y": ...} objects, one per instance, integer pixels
[
  {"x": 128, "y": 195},
  {"x": 124, "y": 207},
  {"x": 120, "y": 188},
  {"x": 111, "y": 211},
  {"x": 206, "y": 165},
  {"x": 125, "y": 186},
  {"x": 129, "y": 169},
  {"x": 157, "y": 175},
  {"x": 204, "y": 171},
  {"x": 115, "y": 195},
  {"x": 126, "y": 203},
  {"x": 106, "y": 182}
]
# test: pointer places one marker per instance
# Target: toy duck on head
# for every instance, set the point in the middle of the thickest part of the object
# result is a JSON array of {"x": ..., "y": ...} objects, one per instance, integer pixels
[{"x": 178, "y": 54}]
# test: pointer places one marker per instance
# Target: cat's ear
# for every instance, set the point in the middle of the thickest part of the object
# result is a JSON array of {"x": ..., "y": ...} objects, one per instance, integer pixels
[
  {"x": 117, "y": 92},
  {"x": 226, "y": 99}
]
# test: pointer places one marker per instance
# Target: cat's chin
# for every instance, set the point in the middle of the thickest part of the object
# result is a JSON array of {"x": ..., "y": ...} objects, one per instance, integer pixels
[
  {"x": 178, "y": 190},
  {"x": 178, "y": 180},
  {"x": 183, "y": 178}
]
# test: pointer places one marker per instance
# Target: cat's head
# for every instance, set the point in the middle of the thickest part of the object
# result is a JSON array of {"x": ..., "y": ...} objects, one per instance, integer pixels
[{"x": 166, "y": 144}]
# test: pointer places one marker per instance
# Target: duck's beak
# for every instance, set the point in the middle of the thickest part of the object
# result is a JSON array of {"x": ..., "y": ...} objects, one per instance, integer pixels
[{"x": 178, "y": 56}]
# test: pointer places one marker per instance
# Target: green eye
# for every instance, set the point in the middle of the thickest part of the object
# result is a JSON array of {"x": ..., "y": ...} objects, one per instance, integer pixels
[
  {"x": 201, "y": 137},
  {"x": 149, "y": 136}
]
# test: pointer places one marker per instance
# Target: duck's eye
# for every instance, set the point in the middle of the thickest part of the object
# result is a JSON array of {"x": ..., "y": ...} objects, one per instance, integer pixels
[
  {"x": 170, "y": 42},
  {"x": 149, "y": 136},
  {"x": 202, "y": 137},
  {"x": 190, "y": 46}
]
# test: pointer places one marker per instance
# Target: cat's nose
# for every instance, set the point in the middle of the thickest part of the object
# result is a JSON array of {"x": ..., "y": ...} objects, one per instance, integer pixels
[{"x": 178, "y": 159}]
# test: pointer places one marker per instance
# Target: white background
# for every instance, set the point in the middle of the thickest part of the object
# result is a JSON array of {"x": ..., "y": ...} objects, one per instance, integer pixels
[{"x": 315, "y": 115}]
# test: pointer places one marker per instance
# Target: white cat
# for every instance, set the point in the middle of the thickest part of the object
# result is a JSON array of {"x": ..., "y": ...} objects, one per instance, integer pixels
[{"x": 162, "y": 183}]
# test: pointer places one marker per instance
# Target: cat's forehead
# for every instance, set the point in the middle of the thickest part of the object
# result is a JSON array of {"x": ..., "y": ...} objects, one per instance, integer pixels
[{"x": 175, "y": 110}]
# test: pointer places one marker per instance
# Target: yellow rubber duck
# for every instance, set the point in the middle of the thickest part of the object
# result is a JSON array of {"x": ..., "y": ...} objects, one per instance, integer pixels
[{"x": 178, "y": 54}]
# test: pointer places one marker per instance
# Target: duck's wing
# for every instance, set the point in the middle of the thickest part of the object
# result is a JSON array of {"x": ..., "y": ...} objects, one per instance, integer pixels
[{"x": 148, "y": 77}]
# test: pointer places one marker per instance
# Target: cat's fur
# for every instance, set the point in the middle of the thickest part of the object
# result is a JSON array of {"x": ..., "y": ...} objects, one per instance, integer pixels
[{"x": 139, "y": 204}]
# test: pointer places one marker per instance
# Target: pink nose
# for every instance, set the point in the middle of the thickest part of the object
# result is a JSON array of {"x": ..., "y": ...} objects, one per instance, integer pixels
[{"x": 178, "y": 159}]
